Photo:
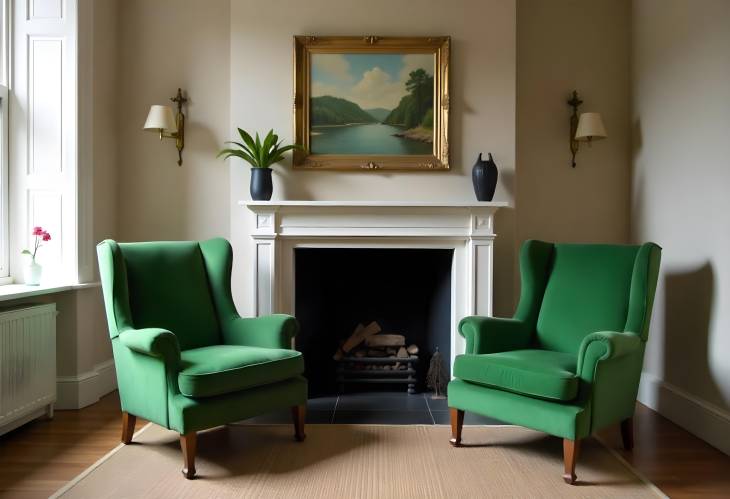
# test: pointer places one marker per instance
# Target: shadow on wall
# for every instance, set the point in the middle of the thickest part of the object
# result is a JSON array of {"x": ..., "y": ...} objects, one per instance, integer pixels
[
  {"x": 689, "y": 300},
  {"x": 637, "y": 181}
]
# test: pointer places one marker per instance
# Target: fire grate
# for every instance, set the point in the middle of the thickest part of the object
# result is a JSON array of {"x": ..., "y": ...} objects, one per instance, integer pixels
[{"x": 375, "y": 370}]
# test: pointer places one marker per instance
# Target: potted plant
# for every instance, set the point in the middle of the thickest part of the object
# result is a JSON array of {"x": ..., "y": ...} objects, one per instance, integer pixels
[
  {"x": 32, "y": 272},
  {"x": 260, "y": 155}
]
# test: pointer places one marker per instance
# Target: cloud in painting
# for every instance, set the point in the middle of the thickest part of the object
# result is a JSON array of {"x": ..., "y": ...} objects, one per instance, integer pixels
[
  {"x": 332, "y": 67},
  {"x": 377, "y": 89},
  {"x": 380, "y": 82}
]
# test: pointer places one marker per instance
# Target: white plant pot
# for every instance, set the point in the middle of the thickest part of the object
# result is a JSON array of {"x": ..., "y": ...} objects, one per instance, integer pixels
[{"x": 32, "y": 273}]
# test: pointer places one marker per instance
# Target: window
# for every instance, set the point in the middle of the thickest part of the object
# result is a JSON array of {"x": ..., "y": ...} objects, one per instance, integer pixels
[{"x": 43, "y": 140}]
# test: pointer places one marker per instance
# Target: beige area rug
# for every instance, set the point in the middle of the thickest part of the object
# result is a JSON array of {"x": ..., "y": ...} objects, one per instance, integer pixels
[{"x": 353, "y": 461}]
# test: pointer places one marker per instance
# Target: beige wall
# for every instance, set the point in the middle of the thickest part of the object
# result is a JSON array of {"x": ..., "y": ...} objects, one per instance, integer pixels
[
  {"x": 681, "y": 130},
  {"x": 142, "y": 51},
  {"x": 82, "y": 329},
  {"x": 482, "y": 119},
  {"x": 563, "y": 46},
  {"x": 158, "y": 201},
  {"x": 164, "y": 45},
  {"x": 105, "y": 119}
]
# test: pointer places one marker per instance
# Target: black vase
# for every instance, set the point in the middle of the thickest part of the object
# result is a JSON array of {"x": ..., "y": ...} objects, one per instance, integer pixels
[
  {"x": 261, "y": 184},
  {"x": 484, "y": 175}
]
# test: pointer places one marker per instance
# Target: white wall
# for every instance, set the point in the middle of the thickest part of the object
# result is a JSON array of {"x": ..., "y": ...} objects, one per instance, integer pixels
[
  {"x": 482, "y": 106},
  {"x": 681, "y": 177}
]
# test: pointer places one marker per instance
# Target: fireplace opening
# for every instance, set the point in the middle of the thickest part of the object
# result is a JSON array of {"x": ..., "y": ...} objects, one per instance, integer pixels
[{"x": 391, "y": 299}]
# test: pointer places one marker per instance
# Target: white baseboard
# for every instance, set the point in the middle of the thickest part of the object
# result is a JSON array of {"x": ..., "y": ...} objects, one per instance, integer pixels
[
  {"x": 75, "y": 392},
  {"x": 703, "y": 419}
]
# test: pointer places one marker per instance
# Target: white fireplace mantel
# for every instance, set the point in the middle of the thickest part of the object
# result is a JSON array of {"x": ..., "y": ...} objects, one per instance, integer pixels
[{"x": 466, "y": 227}]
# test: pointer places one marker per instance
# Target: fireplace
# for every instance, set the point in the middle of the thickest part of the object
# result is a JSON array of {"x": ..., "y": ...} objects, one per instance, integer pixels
[
  {"x": 399, "y": 297},
  {"x": 286, "y": 233}
]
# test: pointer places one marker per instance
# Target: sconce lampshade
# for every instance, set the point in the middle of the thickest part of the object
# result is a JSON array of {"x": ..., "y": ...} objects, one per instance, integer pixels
[
  {"x": 590, "y": 127},
  {"x": 160, "y": 118}
]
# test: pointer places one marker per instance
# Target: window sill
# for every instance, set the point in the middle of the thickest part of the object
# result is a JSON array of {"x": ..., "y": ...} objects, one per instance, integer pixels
[{"x": 16, "y": 291}]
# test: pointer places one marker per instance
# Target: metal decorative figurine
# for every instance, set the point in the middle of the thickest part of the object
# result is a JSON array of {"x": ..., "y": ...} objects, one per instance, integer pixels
[
  {"x": 574, "y": 102},
  {"x": 436, "y": 378}
]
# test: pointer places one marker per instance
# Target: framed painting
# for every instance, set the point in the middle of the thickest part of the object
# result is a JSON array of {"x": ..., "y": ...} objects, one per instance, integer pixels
[{"x": 371, "y": 103}]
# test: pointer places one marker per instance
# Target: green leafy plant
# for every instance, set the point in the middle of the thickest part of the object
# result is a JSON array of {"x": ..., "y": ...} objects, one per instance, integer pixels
[{"x": 258, "y": 153}]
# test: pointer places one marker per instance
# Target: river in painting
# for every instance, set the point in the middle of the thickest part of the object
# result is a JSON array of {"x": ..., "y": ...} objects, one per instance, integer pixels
[{"x": 370, "y": 138}]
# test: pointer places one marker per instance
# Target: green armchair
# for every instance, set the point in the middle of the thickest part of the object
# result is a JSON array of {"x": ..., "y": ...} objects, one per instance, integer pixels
[
  {"x": 568, "y": 363},
  {"x": 184, "y": 357}
]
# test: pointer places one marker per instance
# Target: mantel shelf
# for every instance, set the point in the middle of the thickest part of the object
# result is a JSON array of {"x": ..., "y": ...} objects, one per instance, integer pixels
[{"x": 376, "y": 204}]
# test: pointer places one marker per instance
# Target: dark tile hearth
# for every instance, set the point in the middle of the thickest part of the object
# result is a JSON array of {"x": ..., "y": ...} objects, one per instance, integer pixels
[
  {"x": 374, "y": 408},
  {"x": 383, "y": 417},
  {"x": 366, "y": 402}
]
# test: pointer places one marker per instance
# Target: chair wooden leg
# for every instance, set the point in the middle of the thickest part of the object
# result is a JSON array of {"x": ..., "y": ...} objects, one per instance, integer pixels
[
  {"x": 457, "y": 423},
  {"x": 299, "y": 415},
  {"x": 188, "y": 443},
  {"x": 570, "y": 456},
  {"x": 627, "y": 433},
  {"x": 128, "y": 422}
]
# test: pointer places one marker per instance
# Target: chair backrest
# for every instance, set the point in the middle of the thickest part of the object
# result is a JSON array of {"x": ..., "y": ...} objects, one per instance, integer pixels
[
  {"x": 159, "y": 284},
  {"x": 596, "y": 287}
]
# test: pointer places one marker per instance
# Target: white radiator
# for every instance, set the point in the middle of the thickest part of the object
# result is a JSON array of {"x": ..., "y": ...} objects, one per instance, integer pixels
[{"x": 27, "y": 364}]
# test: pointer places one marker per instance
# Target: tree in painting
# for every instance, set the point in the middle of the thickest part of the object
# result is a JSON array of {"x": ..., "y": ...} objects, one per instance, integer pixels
[{"x": 415, "y": 110}]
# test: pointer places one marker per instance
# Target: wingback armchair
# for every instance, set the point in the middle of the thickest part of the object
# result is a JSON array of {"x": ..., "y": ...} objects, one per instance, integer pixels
[
  {"x": 184, "y": 357},
  {"x": 568, "y": 363}
]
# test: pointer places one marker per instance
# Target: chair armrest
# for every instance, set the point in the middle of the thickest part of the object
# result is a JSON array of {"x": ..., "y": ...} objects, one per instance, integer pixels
[
  {"x": 268, "y": 331},
  {"x": 604, "y": 345},
  {"x": 492, "y": 334},
  {"x": 154, "y": 342}
]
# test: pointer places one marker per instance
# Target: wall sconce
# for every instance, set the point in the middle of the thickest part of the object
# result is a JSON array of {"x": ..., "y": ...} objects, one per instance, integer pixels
[
  {"x": 587, "y": 128},
  {"x": 161, "y": 120}
]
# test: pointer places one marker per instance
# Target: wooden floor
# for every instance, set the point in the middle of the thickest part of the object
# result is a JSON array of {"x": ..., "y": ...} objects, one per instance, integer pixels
[{"x": 37, "y": 459}]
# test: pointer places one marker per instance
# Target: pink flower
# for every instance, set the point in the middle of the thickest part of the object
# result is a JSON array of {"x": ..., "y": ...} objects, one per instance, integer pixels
[
  {"x": 37, "y": 231},
  {"x": 46, "y": 236}
]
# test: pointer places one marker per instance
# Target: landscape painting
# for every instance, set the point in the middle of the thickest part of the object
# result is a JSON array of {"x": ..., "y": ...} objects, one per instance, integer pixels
[{"x": 372, "y": 104}]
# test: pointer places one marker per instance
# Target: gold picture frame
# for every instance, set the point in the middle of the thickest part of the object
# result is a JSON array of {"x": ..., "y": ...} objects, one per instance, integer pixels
[{"x": 418, "y": 157}]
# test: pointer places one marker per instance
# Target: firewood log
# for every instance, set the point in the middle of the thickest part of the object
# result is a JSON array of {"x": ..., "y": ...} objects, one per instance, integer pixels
[
  {"x": 359, "y": 335},
  {"x": 386, "y": 340}
]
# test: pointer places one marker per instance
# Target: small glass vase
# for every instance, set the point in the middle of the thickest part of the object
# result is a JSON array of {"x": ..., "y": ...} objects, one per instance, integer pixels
[{"x": 32, "y": 273}]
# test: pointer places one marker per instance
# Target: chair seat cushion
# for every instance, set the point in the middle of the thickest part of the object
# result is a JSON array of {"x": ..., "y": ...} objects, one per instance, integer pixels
[
  {"x": 536, "y": 373},
  {"x": 219, "y": 369}
]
